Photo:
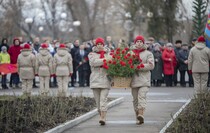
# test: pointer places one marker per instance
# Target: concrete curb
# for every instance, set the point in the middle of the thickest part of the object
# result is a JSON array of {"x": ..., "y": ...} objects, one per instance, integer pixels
[
  {"x": 174, "y": 117},
  {"x": 76, "y": 121}
]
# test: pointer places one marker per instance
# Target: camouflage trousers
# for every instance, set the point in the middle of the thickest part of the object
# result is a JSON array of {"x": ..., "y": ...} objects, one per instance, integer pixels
[
  {"x": 100, "y": 96},
  {"x": 139, "y": 97}
]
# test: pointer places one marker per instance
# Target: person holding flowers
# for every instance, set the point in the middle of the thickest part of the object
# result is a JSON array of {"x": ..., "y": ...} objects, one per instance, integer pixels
[
  {"x": 99, "y": 82},
  {"x": 141, "y": 80}
]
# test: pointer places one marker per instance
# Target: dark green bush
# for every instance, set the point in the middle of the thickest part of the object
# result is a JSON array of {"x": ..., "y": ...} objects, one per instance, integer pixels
[
  {"x": 195, "y": 118},
  {"x": 38, "y": 114}
]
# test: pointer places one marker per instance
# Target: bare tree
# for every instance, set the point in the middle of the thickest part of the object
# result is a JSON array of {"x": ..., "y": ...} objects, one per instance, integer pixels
[
  {"x": 81, "y": 11},
  {"x": 50, "y": 10},
  {"x": 13, "y": 20},
  {"x": 131, "y": 8},
  {"x": 12, "y": 16}
]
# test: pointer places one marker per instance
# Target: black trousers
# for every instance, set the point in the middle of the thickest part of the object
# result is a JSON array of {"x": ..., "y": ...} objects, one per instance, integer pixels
[
  {"x": 157, "y": 82},
  {"x": 74, "y": 76},
  {"x": 4, "y": 80},
  {"x": 191, "y": 82},
  {"x": 182, "y": 78},
  {"x": 14, "y": 79},
  {"x": 82, "y": 74},
  {"x": 175, "y": 75},
  {"x": 168, "y": 80},
  {"x": 87, "y": 77}
]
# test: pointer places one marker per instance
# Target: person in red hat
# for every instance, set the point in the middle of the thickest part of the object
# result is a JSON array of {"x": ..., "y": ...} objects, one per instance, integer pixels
[
  {"x": 99, "y": 83},
  {"x": 44, "y": 68},
  {"x": 198, "y": 64},
  {"x": 141, "y": 81},
  {"x": 26, "y": 68},
  {"x": 62, "y": 65}
]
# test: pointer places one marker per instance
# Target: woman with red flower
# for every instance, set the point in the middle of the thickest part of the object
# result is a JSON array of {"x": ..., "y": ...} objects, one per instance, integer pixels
[
  {"x": 99, "y": 82},
  {"x": 141, "y": 81}
]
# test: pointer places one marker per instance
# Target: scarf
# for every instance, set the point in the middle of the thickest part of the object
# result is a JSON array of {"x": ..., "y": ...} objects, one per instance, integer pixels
[
  {"x": 101, "y": 54},
  {"x": 138, "y": 51}
]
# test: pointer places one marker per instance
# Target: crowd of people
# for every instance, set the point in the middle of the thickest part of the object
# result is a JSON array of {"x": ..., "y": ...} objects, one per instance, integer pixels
[
  {"x": 60, "y": 61},
  {"x": 165, "y": 71}
]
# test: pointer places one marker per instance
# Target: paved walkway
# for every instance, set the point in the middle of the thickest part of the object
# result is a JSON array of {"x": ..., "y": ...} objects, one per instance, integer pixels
[{"x": 163, "y": 102}]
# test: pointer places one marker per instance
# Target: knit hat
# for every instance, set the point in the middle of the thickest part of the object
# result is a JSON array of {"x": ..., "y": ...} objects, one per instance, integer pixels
[
  {"x": 26, "y": 46},
  {"x": 139, "y": 38},
  {"x": 201, "y": 39},
  {"x": 62, "y": 46},
  {"x": 44, "y": 45},
  {"x": 3, "y": 48},
  {"x": 99, "y": 40}
]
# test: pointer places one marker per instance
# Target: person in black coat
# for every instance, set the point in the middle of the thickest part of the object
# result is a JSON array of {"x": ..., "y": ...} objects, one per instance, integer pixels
[
  {"x": 177, "y": 48},
  {"x": 183, "y": 65},
  {"x": 158, "y": 70},
  {"x": 82, "y": 66},
  {"x": 88, "y": 49},
  {"x": 74, "y": 50},
  {"x": 4, "y": 43}
]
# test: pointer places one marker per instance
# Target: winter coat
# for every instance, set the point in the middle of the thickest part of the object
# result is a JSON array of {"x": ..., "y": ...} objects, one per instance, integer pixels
[
  {"x": 62, "y": 63},
  {"x": 79, "y": 58},
  {"x": 177, "y": 50},
  {"x": 73, "y": 52},
  {"x": 199, "y": 57},
  {"x": 143, "y": 76},
  {"x": 182, "y": 56},
  {"x": 4, "y": 58},
  {"x": 98, "y": 77},
  {"x": 44, "y": 63},
  {"x": 158, "y": 70},
  {"x": 3, "y": 44},
  {"x": 36, "y": 47},
  {"x": 168, "y": 66},
  {"x": 26, "y": 64},
  {"x": 14, "y": 51}
]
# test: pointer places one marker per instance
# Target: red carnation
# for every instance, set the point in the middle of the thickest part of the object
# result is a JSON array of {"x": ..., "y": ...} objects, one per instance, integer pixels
[
  {"x": 118, "y": 49},
  {"x": 104, "y": 60},
  {"x": 126, "y": 49},
  {"x": 117, "y": 52},
  {"x": 142, "y": 65},
  {"x": 128, "y": 54},
  {"x": 114, "y": 62},
  {"x": 122, "y": 63},
  {"x": 105, "y": 63},
  {"x": 118, "y": 57},
  {"x": 105, "y": 66},
  {"x": 138, "y": 67},
  {"x": 112, "y": 51},
  {"x": 130, "y": 62},
  {"x": 140, "y": 59},
  {"x": 113, "y": 56},
  {"x": 123, "y": 52},
  {"x": 110, "y": 62},
  {"x": 131, "y": 66},
  {"x": 125, "y": 57}
]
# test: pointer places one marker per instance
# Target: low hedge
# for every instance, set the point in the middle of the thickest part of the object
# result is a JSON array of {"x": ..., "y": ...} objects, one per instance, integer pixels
[
  {"x": 195, "y": 118},
  {"x": 38, "y": 114}
]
